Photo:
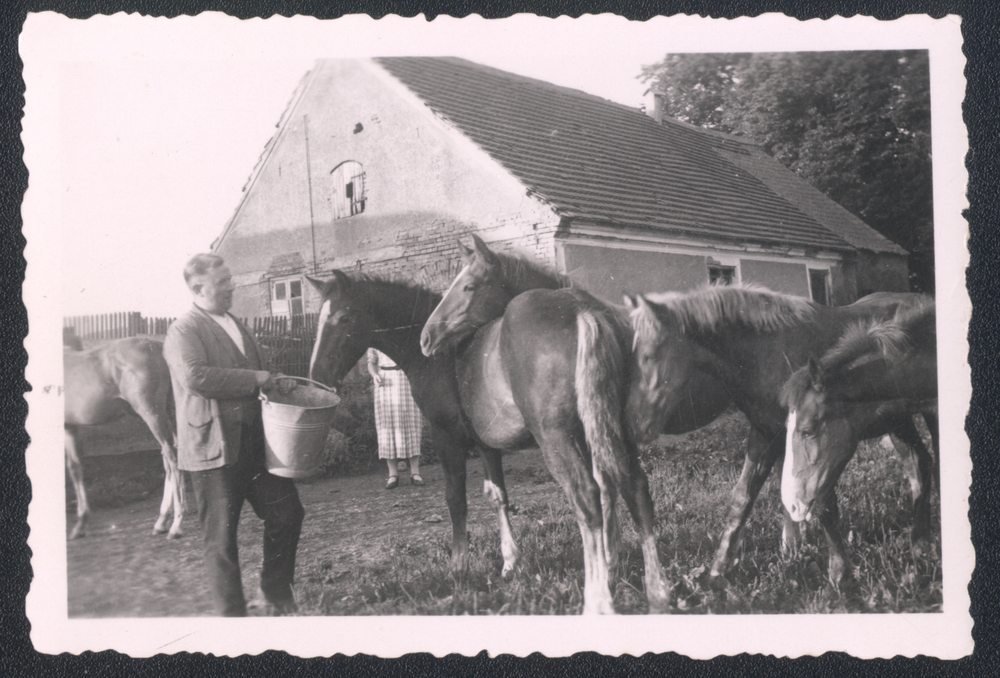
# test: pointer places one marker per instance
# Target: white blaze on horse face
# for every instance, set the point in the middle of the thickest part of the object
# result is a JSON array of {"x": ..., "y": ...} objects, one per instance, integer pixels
[
  {"x": 324, "y": 315},
  {"x": 790, "y": 487}
]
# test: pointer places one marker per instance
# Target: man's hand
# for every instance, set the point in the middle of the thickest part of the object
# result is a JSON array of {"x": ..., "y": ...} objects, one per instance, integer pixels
[
  {"x": 284, "y": 384},
  {"x": 265, "y": 382}
]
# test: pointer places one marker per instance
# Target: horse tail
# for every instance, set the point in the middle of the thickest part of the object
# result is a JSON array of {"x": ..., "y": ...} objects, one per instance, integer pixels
[{"x": 600, "y": 371}]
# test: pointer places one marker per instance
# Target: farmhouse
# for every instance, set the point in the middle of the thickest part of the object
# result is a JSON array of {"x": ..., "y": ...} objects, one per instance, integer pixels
[{"x": 381, "y": 165}]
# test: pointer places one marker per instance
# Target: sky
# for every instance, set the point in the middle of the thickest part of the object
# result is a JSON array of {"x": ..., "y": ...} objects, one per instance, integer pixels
[{"x": 154, "y": 125}]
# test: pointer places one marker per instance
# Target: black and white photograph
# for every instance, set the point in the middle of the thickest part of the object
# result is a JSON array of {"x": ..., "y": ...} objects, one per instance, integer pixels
[{"x": 561, "y": 335}]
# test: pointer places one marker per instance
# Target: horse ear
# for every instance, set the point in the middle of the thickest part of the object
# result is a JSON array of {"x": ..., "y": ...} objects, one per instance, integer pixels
[
  {"x": 630, "y": 302},
  {"x": 342, "y": 280},
  {"x": 484, "y": 252},
  {"x": 816, "y": 374},
  {"x": 466, "y": 252},
  {"x": 318, "y": 284},
  {"x": 648, "y": 309}
]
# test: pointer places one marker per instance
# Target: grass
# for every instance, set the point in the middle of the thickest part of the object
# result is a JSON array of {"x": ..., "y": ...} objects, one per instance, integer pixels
[
  {"x": 691, "y": 478},
  {"x": 691, "y": 481}
]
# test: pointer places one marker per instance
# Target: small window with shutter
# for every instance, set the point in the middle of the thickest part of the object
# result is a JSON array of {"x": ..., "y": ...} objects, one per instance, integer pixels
[{"x": 348, "y": 194}]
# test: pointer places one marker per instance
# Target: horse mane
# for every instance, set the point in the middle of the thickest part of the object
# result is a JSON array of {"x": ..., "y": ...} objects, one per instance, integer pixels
[
  {"x": 889, "y": 339},
  {"x": 718, "y": 308},
  {"x": 347, "y": 280},
  {"x": 520, "y": 272},
  {"x": 383, "y": 289}
]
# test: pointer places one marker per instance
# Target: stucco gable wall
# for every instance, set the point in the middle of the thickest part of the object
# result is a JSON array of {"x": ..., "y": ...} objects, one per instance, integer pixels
[{"x": 426, "y": 186}]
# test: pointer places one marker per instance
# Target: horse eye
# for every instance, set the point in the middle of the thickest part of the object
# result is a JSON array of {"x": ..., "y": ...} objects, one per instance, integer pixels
[{"x": 470, "y": 288}]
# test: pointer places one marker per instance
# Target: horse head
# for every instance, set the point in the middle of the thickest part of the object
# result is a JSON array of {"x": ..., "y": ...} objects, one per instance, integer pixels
[
  {"x": 663, "y": 361},
  {"x": 819, "y": 441},
  {"x": 343, "y": 331},
  {"x": 476, "y": 296}
]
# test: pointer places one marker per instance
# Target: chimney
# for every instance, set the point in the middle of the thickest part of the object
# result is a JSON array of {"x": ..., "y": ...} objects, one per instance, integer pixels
[{"x": 653, "y": 104}]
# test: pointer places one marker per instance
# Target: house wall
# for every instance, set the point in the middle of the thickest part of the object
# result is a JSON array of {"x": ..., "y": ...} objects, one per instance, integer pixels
[
  {"x": 791, "y": 277},
  {"x": 612, "y": 268},
  {"x": 426, "y": 187},
  {"x": 881, "y": 272},
  {"x": 610, "y": 273}
]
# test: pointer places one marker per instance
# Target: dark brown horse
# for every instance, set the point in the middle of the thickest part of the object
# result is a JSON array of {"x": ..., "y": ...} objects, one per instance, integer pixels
[
  {"x": 869, "y": 384},
  {"x": 103, "y": 384},
  {"x": 557, "y": 384},
  {"x": 751, "y": 339}
]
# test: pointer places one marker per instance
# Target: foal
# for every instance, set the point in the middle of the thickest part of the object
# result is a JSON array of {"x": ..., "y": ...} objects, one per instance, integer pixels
[
  {"x": 869, "y": 384},
  {"x": 102, "y": 385}
]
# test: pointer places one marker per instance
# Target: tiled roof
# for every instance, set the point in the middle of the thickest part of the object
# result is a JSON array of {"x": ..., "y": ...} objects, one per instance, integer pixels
[{"x": 600, "y": 161}]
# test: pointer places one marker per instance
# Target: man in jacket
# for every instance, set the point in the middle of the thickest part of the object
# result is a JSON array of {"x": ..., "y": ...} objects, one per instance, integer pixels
[{"x": 216, "y": 369}]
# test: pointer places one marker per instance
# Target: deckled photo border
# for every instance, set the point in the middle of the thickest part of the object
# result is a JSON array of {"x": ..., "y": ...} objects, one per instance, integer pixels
[{"x": 48, "y": 39}]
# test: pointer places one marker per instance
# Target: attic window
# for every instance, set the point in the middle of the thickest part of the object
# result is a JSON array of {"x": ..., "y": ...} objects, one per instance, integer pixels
[{"x": 348, "y": 190}]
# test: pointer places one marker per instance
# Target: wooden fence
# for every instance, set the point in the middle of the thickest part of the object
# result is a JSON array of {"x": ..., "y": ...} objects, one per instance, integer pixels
[{"x": 287, "y": 342}]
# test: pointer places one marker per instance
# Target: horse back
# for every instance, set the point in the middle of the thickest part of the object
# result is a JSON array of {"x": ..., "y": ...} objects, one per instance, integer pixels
[{"x": 103, "y": 383}]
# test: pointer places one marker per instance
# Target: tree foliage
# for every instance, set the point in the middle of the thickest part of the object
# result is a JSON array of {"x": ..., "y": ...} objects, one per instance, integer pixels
[{"x": 856, "y": 125}]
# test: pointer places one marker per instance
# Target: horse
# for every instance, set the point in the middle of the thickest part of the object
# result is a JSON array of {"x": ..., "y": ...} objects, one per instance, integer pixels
[
  {"x": 487, "y": 283},
  {"x": 490, "y": 280},
  {"x": 103, "y": 384},
  {"x": 752, "y": 339},
  {"x": 564, "y": 396},
  {"x": 872, "y": 381}
]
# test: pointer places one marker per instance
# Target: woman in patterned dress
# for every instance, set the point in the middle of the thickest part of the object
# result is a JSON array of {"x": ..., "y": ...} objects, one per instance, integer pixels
[{"x": 397, "y": 419}]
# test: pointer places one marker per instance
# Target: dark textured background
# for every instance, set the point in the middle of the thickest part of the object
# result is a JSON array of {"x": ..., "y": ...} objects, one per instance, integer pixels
[{"x": 981, "y": 32}]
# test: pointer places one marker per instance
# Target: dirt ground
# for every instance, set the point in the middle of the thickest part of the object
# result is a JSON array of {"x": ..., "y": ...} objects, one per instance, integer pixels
[{"x": 121, "y": 569}]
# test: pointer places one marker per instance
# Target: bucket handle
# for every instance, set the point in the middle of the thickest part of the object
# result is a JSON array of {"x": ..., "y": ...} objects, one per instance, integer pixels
[{"x": 263, "y": 396}]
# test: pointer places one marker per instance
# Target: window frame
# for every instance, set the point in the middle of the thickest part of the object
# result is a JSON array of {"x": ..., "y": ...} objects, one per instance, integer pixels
[
  {"x": 349, "y": 192},
  {"x": 827, "y": 284},
  {"x": 724, "y": 263},
  {"x": 289, "y": 301}
]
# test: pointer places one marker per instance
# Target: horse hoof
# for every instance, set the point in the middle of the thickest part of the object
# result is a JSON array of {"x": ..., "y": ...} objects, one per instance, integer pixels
[
  {"x": 508, "y": 570},
  {"x": 175, "y": 535},
  {"x": 717, "y": 582},
  {"x": 76, "y": 534}
]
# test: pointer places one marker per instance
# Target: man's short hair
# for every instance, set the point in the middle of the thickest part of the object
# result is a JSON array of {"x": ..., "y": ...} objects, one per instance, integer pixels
[{"x": 200, "y": 264}]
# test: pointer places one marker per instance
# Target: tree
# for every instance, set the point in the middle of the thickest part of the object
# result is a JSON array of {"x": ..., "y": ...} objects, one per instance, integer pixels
[{"x": 856, "y": 125}]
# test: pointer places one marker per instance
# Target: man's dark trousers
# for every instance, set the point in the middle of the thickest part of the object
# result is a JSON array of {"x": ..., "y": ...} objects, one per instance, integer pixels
[{"x": 220, "y": 493}]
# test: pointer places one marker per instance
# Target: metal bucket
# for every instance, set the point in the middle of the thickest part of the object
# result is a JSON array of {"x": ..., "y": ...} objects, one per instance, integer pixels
[{"x": 296, "y": 425}]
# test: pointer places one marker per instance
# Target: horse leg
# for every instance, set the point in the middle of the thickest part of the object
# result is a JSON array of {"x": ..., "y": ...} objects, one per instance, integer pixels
[
  {"x": 918, "y": 465},
  {"x": 173, "y": 489},
  {"x": 452, "y": 455},
  {"x": 931, "y": 420},
  {"x": 829, "y": 519},
  {"x": 496, "y": 494},
  {"x": 173, "y": 496},
  {"x": 640, "y": 505},
  {"x": 611, "y": 533},
  {"x": 75, "y": 469},
  {"x": 762, "y": 452},
  {"x": 566, "y": 461}
]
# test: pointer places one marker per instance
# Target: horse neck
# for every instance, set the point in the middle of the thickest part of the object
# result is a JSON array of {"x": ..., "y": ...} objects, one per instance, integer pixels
[
  {"x": 520, "y": 276},
  {"x": 761, "y": 359},
  {"x": 400, "y": 313}
]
